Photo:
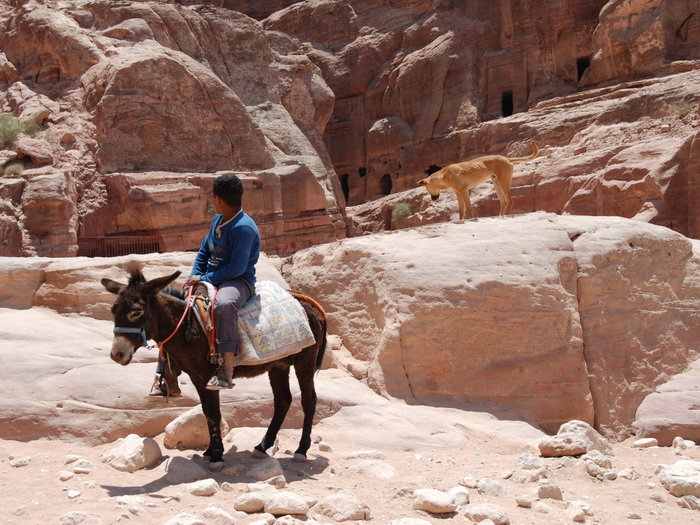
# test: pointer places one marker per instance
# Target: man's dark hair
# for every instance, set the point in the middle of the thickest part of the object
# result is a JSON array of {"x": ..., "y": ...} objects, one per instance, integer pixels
[{"x": 230, "y": 189}]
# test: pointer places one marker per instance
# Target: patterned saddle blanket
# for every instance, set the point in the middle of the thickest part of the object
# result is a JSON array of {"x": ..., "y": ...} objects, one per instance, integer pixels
[{"x": 272, "y": 324}]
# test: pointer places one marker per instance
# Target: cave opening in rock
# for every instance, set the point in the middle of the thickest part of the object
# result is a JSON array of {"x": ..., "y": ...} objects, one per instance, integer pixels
[
  {"x": 385, "y": 184},
  {"x": 507, "y": 103},
  {"x": 582, "y": 64},
  {"x": 345, "y": 186}
]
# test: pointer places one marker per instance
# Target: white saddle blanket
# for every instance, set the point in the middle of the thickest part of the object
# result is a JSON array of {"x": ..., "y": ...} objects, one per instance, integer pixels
[{"x": 272, "y": 324}]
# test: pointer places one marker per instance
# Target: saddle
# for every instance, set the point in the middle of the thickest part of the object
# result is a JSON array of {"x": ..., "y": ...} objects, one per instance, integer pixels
[
  {"x": 201, "y": 305},
  {"x": 272, "y": 324}
]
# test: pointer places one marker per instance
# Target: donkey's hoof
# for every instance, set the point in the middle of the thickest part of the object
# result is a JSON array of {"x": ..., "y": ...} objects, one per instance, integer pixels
[
  {"x": 299, "y": 457},
  {"x": 257, "y": 453},
  {"x": 216, "y": 466}
]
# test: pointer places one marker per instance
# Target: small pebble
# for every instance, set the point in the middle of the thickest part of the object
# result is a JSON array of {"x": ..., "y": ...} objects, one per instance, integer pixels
[{"x": 646, "y": 443}]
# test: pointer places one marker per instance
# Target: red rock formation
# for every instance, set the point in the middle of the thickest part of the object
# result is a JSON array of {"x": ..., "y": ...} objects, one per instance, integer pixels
[
  {"x": 431, "y": 69},
  {"x": 150, "y": 90},
  {"x": 150, "y": 103},
  {"x": 625, "y": 151},
  {"x": 50, "y": 219},
  {"x": 375, "y": 91},
  {"x": 419, "y": 96}
]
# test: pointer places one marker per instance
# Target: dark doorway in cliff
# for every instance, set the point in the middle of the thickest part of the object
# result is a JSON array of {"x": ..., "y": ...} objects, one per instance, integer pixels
[
  {"x": 507, "y": 103},
  {"x": 385, "y": 184},
  {"x": 582, "y": 64},
  {"x": 345, "y": 186},
  {"x": 148, "y": 241},
  {"x": 362, "y": 172},
  {"x": 432, "y": 169}
]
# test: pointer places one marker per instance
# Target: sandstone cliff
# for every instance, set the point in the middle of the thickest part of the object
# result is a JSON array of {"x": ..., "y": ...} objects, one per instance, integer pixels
[
  {"x": 547, "y": 317},
  {"x": 320, "y": 102},
  {"x": 539, "y": 318},
  {"x": 426, "y": 83},
  {"x": 140, "y": 106}
]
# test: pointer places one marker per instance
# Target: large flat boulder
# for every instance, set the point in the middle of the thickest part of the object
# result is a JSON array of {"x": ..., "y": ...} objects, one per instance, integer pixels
[
  {"x": 60, "y": 383},
  {"x": 550, "y": 318},
  {"x": 151, "y": 104}
]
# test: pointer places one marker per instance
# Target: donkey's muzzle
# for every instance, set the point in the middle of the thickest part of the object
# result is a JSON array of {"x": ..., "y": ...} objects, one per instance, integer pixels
[{"x": 122, "y": 350}]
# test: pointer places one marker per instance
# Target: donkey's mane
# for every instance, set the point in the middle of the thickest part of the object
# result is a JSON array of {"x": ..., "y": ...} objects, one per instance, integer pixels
[
  {"x": 174, "y": 291},
  {"x": 137, "y": 277}
]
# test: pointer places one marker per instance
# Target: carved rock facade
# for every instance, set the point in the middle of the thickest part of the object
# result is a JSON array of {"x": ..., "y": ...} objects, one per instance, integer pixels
[
  {"x": 142, "y": 105},
  {"x": 421, "y": 83}
]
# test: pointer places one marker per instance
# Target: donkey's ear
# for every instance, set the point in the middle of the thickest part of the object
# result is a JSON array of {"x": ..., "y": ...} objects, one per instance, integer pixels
[
  {"x": 112, "y": 286},
  {"x": 156, "y": 285},
  {"x": 422, "y": 182}
]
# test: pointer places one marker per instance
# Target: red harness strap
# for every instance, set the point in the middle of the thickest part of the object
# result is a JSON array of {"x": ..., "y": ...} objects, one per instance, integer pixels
[
  {"x": 300, "y": 296},
  {"x": 161, "y": 344},
  {"x": 212, "y": 332}
]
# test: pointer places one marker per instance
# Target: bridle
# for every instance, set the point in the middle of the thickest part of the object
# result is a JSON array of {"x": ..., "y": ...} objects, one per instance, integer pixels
[
  {"x": 130, "y": 330},
  {"x": 141, "y": 330}
]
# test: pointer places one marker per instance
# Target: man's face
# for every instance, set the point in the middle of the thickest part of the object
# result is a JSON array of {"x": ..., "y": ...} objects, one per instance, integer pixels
[{"x": 217, "y": 204}]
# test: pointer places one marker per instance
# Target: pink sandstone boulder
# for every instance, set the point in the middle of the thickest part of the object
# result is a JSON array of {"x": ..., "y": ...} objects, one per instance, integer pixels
[
  {"x": 146, "y": 102},
  {"x": 547, "y": 317},
  {"x": 48, "y": 206},
  {"x": 467, "y": 312},
  {"x": 47, "y": 45}
]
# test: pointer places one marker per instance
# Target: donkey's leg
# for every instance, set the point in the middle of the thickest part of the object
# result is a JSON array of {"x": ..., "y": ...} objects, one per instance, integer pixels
[
  {"x": 305, "y": 375},
  {"x": 212, "y": 412},
  {"x": 279, "y": 381}
]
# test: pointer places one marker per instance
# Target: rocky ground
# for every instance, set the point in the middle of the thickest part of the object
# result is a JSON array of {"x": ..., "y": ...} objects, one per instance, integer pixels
[
  {"x": 50, "y": 482},
  {"x": 376, "y": 458},
  {"x": 373, "y": 459}
]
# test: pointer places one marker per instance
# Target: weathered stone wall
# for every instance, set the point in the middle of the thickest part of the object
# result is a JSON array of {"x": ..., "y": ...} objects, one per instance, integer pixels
[
  {"x": 409, "y": 77},
  {"x": 548, "y": 317},
  {"x": 139, "y": 105}
]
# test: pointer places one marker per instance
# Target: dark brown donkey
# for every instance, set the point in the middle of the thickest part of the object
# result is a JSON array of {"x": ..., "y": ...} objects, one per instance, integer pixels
[{"x": 152, "y": 310}]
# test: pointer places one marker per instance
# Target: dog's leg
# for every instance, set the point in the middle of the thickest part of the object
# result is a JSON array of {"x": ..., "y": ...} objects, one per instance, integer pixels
[
  {"x": 501, "y": 182},
  {"x": 460, "y": 203},
  {"x": 465, "y": 206},
  {"x": 503, "y": 199}
]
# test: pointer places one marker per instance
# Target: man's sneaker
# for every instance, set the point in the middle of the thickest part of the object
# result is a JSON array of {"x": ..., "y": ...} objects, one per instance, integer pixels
[
  {"x": 159, "y": 390},
  {"x": 219, "y": 382}
]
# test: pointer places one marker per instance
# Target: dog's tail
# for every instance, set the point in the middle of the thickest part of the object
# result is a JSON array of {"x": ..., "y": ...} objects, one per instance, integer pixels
[{"x": 532, "y": 156}]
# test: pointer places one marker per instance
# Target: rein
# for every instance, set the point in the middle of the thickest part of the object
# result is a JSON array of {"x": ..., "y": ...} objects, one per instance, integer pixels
[
  {"x": 161, "y": 345},
  {"x": 141, "y": 330}
]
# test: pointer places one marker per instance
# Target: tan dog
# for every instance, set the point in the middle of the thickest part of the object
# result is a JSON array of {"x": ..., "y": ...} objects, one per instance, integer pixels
[{"x": 464, "y": 175}]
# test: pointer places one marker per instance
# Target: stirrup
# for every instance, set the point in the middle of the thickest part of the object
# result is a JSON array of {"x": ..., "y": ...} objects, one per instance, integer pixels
[{"x": 219, "y": 381}]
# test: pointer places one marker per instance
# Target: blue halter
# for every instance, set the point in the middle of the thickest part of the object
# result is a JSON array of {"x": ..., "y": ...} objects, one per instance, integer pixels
[{"x": 139, "y": 330}]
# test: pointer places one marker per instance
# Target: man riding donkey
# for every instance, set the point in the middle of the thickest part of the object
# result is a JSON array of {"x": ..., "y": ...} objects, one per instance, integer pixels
[{"x": 226, "y": 260}]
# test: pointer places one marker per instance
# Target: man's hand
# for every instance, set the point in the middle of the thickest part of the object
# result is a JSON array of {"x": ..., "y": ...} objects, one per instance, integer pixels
[{"x": 193, "y": 280}]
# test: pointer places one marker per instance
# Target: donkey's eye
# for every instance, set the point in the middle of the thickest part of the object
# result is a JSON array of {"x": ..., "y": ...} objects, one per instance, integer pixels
[{"x": 134, "y": 315}]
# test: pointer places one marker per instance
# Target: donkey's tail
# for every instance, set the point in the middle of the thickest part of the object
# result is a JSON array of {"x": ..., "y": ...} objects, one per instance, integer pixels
[
  {"x": 322, "y": 344},
  {"x": 323, "y": 322}
]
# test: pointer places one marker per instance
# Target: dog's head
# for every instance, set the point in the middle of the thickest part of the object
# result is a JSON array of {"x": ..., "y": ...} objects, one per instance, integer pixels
[{"x": 432, "y": 190}]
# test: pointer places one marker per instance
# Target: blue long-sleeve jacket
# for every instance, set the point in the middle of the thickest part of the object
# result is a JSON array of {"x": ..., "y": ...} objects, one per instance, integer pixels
[{"x": 230, "y": 252}]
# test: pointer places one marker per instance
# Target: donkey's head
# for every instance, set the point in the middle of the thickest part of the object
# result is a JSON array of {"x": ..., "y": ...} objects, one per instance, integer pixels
[{"x": 131, "y": 310}]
